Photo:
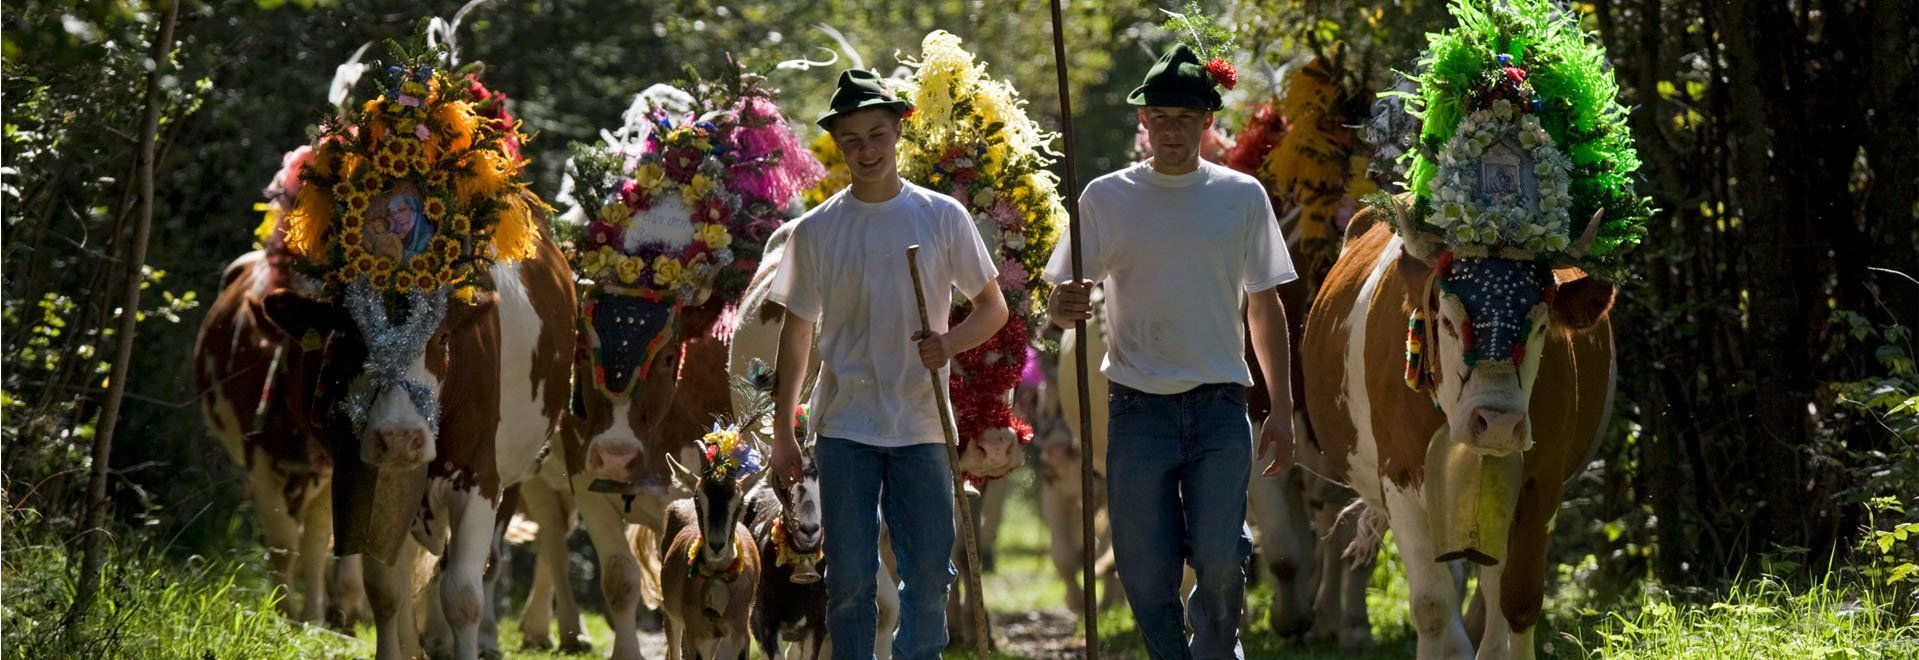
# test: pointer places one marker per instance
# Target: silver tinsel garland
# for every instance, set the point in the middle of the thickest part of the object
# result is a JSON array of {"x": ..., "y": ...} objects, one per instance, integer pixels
[{"x": 391, "y": 348}]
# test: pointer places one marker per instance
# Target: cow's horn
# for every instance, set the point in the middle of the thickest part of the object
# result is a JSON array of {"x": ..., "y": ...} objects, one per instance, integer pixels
[
  {"x": 1584, "y": 245},
  {"x": 1420, "y": 244}
]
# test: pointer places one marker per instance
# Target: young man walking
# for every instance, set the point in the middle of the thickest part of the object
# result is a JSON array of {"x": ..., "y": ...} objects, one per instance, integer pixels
[
  {"x": 881, "y": 444},
  {"x": 1180, "y": 244}
]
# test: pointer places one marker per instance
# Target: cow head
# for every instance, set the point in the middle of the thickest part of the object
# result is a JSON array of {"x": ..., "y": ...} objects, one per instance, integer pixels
[
  {"x": 1480, "y": 326},
  {"x": 729, "y": 466},
  {"x": 385, "y": 362},
  {"x": 1485, "y": 321},
  {"x": 629, "y": 373}
]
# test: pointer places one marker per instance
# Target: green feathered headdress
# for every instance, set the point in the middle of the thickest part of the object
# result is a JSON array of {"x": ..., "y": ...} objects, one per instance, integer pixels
[{"x": 1523, "y": 144}]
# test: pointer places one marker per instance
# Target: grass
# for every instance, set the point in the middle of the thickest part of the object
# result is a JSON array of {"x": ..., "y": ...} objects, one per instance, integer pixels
[
  {"x": 151, "y": 606},
  {"x": 157, "y": 606}
]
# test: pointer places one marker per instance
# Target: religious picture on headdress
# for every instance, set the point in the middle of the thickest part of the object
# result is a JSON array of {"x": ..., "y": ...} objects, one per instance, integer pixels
[
  {"x": 1505, "y": 173},
  {"x": 397, "y": 227}
]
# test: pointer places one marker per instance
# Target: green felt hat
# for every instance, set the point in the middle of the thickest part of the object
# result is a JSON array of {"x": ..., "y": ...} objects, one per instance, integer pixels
[
  {"x": 860, "y": 89},
  {"x": 1178, "y": 79}
]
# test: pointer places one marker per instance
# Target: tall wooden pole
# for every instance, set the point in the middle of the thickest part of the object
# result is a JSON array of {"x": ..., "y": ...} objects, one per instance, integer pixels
[
  {"x": 981, "y": 635},
  {"x": 94, "y": 527},
  {"x": 1089, "y": 597}
]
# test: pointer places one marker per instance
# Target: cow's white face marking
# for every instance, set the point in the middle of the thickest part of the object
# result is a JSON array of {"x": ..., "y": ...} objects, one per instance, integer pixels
[
  {"x": 394, "y": 414},
  {"x": 1486, "y": 403}
]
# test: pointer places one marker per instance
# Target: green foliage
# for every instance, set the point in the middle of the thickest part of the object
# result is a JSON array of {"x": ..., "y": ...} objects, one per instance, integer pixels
[
  {"x": 1763, "y": 618},
  {"x": 1203, "y": 33},
  {"x": 150, "y": 605}
]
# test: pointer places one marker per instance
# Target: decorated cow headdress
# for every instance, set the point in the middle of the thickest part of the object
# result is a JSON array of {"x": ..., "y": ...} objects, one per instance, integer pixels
[
  {"x": 1523, "y": 162},
  {"x": 676, "y": 206}
]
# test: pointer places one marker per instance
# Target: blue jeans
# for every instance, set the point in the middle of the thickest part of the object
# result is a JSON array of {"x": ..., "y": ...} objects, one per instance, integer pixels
[
  {"x": 913, "y": 487},
  {"x": 1176, "y": 466}
]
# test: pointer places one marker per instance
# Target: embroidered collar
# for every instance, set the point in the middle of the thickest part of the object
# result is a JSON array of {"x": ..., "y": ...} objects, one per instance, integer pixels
[
  {"x": 787, "y": 552},
  {"x": 700, "y": 569}
]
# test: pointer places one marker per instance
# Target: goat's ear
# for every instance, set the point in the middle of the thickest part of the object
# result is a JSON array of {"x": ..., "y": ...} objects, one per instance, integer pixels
[
  {"x": 682, "y": 476},
  {"x": 1583, "y": 302}
]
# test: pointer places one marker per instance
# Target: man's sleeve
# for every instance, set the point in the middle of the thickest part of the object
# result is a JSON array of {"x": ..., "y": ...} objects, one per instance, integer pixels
[
  {"x": 1268, "y": 264},
  {"x": 971, "y": 264},
  {"x": 1059, "y": 268},
  {"x": 795, "y": 284}
]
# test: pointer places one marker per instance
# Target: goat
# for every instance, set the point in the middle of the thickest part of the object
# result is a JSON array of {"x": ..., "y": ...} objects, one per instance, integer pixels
[
  {"x": 790, "y": 604},
  {"x": 708, "y": 574}
]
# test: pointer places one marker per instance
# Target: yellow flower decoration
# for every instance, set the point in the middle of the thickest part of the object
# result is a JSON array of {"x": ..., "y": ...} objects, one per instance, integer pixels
[
  {"x": 666, "y": 271},
  {"x": 629, "y": 269},
  {"x": 696, "y": 190},
  {"x": 714, "y": 235}
]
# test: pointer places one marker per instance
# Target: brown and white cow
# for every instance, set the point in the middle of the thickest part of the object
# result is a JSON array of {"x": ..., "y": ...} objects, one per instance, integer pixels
[
  {"x": 452, "y": 401},
  {"x": 259, "y": 412},
  {"x": 1519, "y": 387}
]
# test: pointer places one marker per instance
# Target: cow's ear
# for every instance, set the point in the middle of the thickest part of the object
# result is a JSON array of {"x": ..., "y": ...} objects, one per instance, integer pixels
[
  {"x": 1582, "y": 302},
  {"x": 459, "y": 316},
  {"x": 286, "y": 315}
]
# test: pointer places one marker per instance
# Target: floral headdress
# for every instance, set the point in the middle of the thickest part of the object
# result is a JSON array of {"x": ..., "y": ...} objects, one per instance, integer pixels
[
  {"x": 415, "y": 190},
  {"x": 729, "y": 454},
  {"x": 694, "y": 182},
  {"x": 1523, "y": 143}
]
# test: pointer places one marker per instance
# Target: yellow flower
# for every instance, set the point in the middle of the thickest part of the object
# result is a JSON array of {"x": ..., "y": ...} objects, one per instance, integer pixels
[
  {"x": 666, "y": 270},
  {"x": 592, "y": 262},
  {"x": 714, "y": 235},
  {"x": 696, "y": 190},
  {"x": 629, "y": 269},
  {"x": 650, "y": 176},
  {"x": 615, "y": 214}
]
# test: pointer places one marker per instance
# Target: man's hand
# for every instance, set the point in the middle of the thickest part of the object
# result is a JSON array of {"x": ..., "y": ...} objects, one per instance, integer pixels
[
  {"x": 1070, "y": 302},
  {"x": 785, "y": 462},
  {"x": 933, "y": 352},
  {"x": 1276, "y": 441}
]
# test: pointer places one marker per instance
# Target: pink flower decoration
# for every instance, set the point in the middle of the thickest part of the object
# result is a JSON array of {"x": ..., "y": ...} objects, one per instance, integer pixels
[
  {"x": 1012, "y": 275},
  {"x": 1004, "y": 213},
  {"x": 633, "y": 196}
]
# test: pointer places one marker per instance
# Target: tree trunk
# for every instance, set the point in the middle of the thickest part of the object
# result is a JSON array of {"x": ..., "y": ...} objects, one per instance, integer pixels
[{"x": 94, "y": 527}]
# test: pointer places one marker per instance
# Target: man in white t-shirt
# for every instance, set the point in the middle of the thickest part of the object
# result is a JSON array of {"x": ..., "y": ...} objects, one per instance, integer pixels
[
  {"x": 1180, "y": 244},
  {"x": 874, "y": 408}
]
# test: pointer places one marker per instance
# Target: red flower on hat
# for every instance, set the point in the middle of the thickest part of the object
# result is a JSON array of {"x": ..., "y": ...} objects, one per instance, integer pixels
[
  {"x": 909, "y": 112},
  {"x": 1223, "y": 73}
]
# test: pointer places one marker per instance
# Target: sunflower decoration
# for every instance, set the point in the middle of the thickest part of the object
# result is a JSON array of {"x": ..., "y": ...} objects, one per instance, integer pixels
[
  {"x": 1522, "y": 144},
  {"x": 680, "y": 201},
  {"x": 415, "y": 189}
]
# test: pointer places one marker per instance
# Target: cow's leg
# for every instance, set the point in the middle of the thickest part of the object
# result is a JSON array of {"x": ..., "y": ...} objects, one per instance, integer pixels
[
  {"x": 461, "y": 589},
  {"x": 1495, "y": 639},
  {"x": 346, "y": 592},
  {"x": 1523, "y": 579},
  {"x": 619, "y": 573},
  {"x": 544, "y": 506},
  {"x": 1061, "y": 508},
  {"x": 1276, "y": 508},
  {"x": 389, "y": 590},
  {"x": 1435, "y": 600},
  {"x": 281, "y": 528},
  {"x": 1355, "y": 625},
  {"x": 316, "y": 536},
  {"x": 992, "y": 510}
]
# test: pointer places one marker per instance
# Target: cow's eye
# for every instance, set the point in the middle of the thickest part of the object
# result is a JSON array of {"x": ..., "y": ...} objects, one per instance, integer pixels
[{"x": 1447, "y": 325}]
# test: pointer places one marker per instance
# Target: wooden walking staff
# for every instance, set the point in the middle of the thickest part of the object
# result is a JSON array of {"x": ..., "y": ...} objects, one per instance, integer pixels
[
  {"x": 980, "y": 638},
  {"x": 1089, "y": 596}
]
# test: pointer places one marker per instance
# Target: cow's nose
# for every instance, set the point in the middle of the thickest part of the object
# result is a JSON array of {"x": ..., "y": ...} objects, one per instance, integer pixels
[
  {"x": 403, "y": 446},
  {"x": 1495, "y": 423},
  {"x": 609, "y": 461},
  {"x": 809, "y": 529}
]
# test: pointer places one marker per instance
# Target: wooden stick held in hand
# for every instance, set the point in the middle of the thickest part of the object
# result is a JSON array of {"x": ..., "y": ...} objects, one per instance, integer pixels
[{"x": 965, "y": 509}]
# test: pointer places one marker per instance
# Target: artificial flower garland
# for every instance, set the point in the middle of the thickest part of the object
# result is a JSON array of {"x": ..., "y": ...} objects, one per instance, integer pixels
[
  {"x": 729, "y": 456},
  {"x": 1505, "y": 219},
  {"x": 682, "y": 196},
  {"x": 414, "y": 192}
]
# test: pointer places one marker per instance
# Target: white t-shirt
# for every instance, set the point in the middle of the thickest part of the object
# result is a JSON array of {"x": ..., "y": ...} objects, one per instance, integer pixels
[
  {"x": 1177, "y": 255},
  {"x": 845, "y": 269}
]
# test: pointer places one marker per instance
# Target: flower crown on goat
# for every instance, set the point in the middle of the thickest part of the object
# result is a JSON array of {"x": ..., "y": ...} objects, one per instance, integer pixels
[{"x": 729, "y": 455}]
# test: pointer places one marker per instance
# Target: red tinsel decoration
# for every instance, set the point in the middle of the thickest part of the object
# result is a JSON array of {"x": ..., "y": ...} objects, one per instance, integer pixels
[{"x": 981, "y": 379}]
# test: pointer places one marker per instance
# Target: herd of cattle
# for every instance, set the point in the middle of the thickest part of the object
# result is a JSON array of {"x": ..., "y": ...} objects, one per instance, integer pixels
[{"x": 1471, "y": 467}]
